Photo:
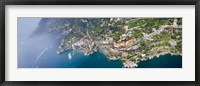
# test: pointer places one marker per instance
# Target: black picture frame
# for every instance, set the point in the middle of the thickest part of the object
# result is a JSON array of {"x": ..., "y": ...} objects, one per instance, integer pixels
[{"x": 98, "y": 2}]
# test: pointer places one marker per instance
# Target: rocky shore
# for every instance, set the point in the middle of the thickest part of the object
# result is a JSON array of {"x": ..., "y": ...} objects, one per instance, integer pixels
[{"x": 127, "y": 39}]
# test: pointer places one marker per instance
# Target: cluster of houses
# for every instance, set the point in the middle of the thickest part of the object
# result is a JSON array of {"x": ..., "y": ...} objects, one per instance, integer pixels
[
  {"x": 172, "y": 42},
  {"x": 86, "y": 45},
  {"x": 124, "y": 43}
]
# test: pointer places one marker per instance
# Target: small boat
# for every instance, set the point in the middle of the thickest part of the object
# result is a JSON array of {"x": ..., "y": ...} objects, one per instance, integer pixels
[{"x": 69, "y": 56}]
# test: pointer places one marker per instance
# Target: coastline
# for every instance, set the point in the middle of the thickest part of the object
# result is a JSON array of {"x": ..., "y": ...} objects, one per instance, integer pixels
[
  {"x": 133, "y": 64},
  {"x": 129, "y": 46},
  {"x": 163, "y": 61},
  {"x": 158, "y": 56}
]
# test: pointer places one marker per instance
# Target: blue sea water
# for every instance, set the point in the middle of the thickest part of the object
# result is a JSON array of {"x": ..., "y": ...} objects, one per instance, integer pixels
[
  {"x": 40, "y": 52},
  {"x": 164, "y": 61}
]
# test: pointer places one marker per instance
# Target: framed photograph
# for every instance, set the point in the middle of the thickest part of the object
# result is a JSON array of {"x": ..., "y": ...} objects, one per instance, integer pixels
[{"x": 109, "y": 42}]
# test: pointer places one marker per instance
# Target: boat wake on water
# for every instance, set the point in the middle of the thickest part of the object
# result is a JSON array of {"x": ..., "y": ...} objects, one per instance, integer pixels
[{"x": 38, "y": 57}]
